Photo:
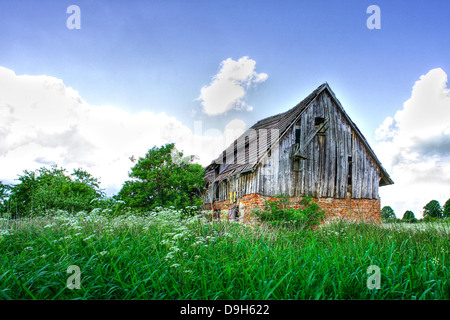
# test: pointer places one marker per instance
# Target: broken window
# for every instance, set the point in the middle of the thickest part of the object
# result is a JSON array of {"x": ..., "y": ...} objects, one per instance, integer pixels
[{"x": 321, "y": 123}]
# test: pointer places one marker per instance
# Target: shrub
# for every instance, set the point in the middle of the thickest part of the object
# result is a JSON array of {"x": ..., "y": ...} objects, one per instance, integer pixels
[
  {"x": 279, "y": 212},
  {"x": 52, "y": 189}
]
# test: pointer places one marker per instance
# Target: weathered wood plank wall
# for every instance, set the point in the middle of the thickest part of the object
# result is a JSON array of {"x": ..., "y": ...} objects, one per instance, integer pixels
[{"x": 325, "y": 173}]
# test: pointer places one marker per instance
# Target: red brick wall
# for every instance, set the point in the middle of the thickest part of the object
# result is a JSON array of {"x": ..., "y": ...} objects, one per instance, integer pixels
[{"x": 367, "y": 210}]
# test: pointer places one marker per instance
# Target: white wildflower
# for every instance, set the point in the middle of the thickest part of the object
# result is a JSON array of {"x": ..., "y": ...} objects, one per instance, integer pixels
[
  {"x": 89, "y": 237},
  {"x": 169, "y": 256},
  {"x": 4, "y": 233}
]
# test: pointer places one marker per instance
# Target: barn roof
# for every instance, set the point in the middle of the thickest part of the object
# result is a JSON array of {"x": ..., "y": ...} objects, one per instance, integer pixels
[{"x": 281, "y": 122}]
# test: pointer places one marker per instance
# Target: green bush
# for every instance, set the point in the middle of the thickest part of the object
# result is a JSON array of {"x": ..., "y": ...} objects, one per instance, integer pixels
[
  {"x": 279, "y": 212},
  {"x": 52, "y": 188}
]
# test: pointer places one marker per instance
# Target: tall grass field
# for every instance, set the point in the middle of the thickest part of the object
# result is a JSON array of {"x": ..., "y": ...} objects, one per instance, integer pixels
[{"x": 165, "y": 255}]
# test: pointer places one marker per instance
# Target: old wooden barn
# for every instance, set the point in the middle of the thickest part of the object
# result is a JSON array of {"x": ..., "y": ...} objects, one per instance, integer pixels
[{"x": 312, "y": 149}]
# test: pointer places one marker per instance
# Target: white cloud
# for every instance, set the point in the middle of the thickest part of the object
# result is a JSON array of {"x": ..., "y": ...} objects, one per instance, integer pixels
[
  {"x": 228, "y": 87},
  {"x": 42, "y": 122},
  {"x": 414, "y": 146}
]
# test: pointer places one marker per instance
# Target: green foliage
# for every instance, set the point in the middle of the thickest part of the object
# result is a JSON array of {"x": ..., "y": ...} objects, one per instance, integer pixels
[
  {"x": 446, "y": 212},
  {"x": 161, "y": 256},
  {"x": 109, "y": 205},
  {"x": 429, "y": 218},
  {"x": 163, "y": 177},
  {"x": 280, "y": 212},
  {"x": 51, "y": 188},
  {"x": 4, "y": 195},
  {"x": 433, "y": 209},
  {"x": 408, "y": 216},
  {"x": 388, "y": 214}
]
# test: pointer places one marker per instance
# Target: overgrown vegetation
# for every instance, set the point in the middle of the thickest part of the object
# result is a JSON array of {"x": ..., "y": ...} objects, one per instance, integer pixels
[
  {"x": 163, "y": 177},
  {"x": 152, "y": 242},
  {"x": 49, "y": 188},
  {"x": 163, "y": 255},
  {"x": 279, "y": 212}
]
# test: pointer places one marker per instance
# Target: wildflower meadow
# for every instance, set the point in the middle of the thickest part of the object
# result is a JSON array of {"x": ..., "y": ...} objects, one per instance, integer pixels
[{"x": 166, "y": 254}]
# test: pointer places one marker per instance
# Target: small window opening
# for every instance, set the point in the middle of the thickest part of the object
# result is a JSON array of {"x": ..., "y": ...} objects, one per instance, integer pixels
[
  {"x": 297, "y": 134},
  {"x": 350, "y": 162},
  {"x": 320, "y": 122}
]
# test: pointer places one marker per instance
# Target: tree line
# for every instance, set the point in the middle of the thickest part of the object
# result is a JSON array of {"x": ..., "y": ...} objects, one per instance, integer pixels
[
  {"x": 432, "y": 211},
  {"x": 163, "y": 177}
]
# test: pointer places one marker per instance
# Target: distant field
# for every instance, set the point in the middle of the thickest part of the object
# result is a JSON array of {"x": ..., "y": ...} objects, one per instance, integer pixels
[
  {"x": 164, "y": 256},
  {"x": 443, "y": 227}
]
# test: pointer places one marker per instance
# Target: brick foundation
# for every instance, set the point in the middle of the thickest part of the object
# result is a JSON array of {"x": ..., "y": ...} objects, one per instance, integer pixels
[{"x": 367, "y": 210}]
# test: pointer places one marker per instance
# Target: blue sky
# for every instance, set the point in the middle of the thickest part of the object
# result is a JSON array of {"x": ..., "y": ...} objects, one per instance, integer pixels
[{"x": 156, "y": 56}]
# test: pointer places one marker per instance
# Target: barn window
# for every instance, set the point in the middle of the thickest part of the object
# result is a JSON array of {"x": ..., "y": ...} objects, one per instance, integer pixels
[
  {"x": 349, "y": 182},
  {"x": 297, "y": 134},
  {"x": 320, "y": 122}
]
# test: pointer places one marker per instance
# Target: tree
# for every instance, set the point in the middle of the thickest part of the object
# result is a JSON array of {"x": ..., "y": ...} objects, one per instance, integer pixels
[
  {"x": 446, "y": 212},
  {"x": 4, "y": 195},
  {"x": 387, "y": 213},
  {"x": 52, "y": 188},
  {"x": 433, "y": 209},
  {"x": 408, "y": 216},
  {"x": 163, "y": 177}
]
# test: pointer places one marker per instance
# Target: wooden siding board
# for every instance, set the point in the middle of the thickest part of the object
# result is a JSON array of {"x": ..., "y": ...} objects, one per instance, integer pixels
[{"x": 325, "y": 172}]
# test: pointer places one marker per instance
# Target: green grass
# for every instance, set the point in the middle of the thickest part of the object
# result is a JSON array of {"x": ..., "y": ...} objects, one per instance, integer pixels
[{"x": 162, "y": 256}]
